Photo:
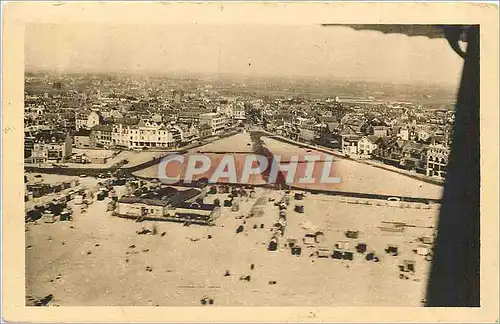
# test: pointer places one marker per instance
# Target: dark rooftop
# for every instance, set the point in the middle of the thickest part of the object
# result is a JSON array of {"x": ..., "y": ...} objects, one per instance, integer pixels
[
  {"x": 176, "y": 200},
  {"x": 182, "y": 196},
  {"x": 83, "y": 132},
  {"x": 49, "y": 136},
  {"x": 104, "y": 128},
  {"x": 135, "y": 200}
]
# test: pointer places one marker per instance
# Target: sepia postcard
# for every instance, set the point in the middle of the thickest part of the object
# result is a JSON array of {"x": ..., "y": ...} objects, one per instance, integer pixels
[{"x": 249, "y": 162}]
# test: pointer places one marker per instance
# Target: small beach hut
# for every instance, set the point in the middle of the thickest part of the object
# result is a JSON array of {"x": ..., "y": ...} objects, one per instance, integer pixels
[
  {"x": 299, "y": 208},
  {"x": 273, "y": 244},
  {"x": 352, "y": 234},
  {"x": 337, "y": 254}
]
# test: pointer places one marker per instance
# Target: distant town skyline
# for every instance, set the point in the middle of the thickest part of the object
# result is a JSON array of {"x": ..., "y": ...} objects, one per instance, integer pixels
[{"x": 244, "y": 50}]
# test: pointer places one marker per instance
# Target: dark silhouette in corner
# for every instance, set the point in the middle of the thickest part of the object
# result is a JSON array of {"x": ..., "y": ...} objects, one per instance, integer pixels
[{"x": 455, "y": 273}]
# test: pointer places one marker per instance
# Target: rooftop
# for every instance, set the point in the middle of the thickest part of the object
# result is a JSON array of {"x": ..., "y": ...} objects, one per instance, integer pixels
[
  {"x": 105, "y": 128},
  {"x": 83, "y": 132},
  {"x": 137, "y": 200},
  {"x": 180, "y": 197}
]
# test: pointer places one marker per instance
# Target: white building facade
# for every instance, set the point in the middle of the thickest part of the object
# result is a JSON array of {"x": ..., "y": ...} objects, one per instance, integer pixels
[
  {"x": 239, "y": 113},
  {"x": 217, "y": 122},
  {"x": 437, "y": 160},
  {"x": 87, "y": 121},
  {"x": 146, "y": 134},
  {"x": 51, "y": 151},
  {"x": 366, "y": 146}
]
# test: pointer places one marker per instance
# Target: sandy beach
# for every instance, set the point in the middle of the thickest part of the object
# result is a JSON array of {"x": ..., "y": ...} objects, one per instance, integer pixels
[
  {"x": 98, "y": 259},
  {"x": 238, "y": 143}
]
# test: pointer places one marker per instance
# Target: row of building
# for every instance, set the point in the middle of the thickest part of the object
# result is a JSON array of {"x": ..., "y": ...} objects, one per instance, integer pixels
[
  {"x": 72, "y": 119},
  {"x": 409, "y": 146},
  {"x": 148, "y": 113},
  {"x": 131, "y": 133},
  {"x": 44, "y": 144}
]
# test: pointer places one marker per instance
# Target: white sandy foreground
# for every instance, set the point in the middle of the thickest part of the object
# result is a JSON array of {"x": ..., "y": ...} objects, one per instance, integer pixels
[{"x": 84, "y": 262}]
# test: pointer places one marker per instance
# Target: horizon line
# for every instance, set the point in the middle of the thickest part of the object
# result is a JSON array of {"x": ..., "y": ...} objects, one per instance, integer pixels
[{"x": 217, "y": 75}]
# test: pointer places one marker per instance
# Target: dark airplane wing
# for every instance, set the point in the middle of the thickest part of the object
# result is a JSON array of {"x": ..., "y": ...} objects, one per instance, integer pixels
[{"x": 431, "y": 31}]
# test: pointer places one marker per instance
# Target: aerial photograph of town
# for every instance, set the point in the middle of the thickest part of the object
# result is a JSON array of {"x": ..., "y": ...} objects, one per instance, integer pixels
[{"x": 105, "y": 106}]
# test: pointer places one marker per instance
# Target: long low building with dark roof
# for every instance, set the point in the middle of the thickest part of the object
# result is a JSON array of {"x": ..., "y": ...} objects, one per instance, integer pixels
[
  {"x": 180, "y": 207},
  {"x": 140, "y": 207}
]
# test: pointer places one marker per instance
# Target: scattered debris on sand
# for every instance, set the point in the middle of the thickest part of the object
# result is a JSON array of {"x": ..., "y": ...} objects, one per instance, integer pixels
[
  {"x": 145, "y": 231},
  {"x": 316, "y": 232},
  {"x": 372, "y": 257},
  {"x": 44, "y": 301},
  {"x": 361, "y": 248},
  {"x": 246, "y": 278},
  {"x": 392, "y": 249},
  {"x": 206, "y": 300},
  {"x": 352, "y": 234}
]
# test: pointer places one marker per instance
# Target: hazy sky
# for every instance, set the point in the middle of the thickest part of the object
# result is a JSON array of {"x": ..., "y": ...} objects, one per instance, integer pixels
[{"x": 243, "y": 49}]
